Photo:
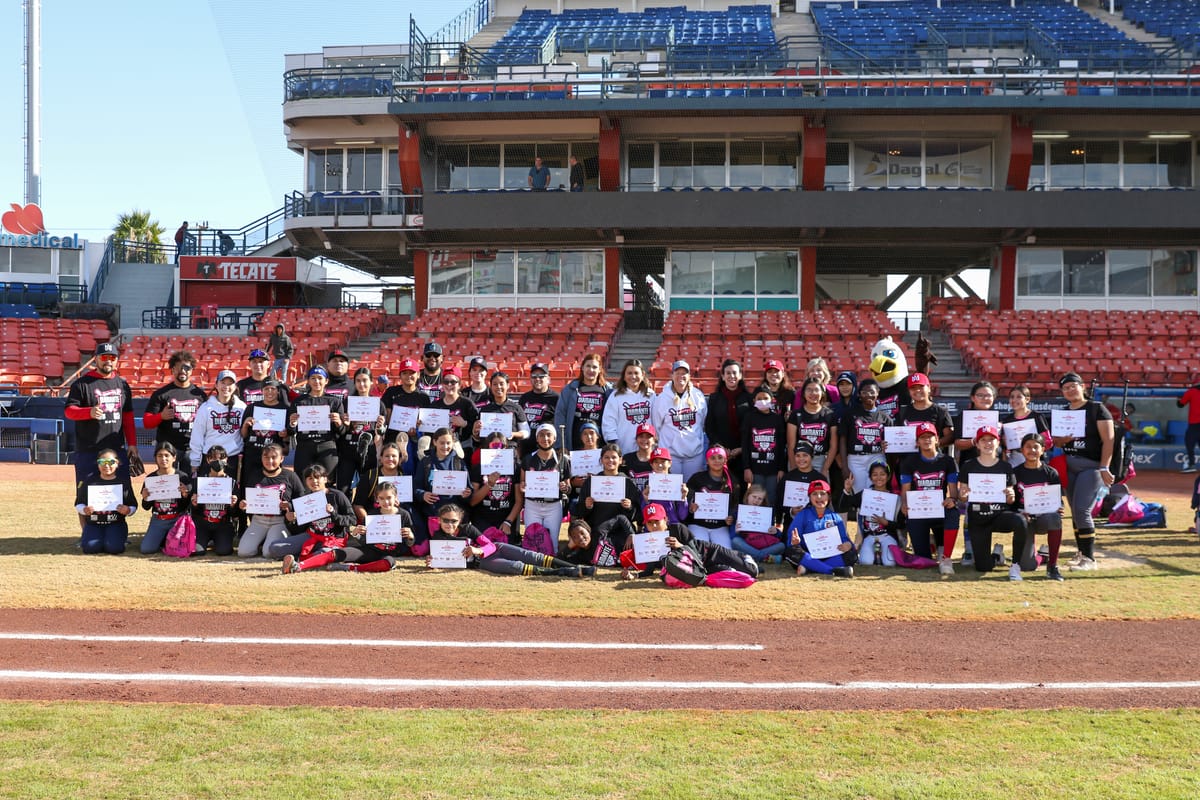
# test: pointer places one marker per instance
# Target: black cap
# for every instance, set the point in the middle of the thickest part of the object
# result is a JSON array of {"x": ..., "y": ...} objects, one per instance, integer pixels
[
  {"x": 107, "y": 349},
  {"x": 1070, "y": 377},
  {"x": 803, "y": 446},
  {"x": 477, "y": 361},
  {"x": 337, "y": 354},
  {"x": 433, "y": 348},
  {"x": 539, "y": 367}
]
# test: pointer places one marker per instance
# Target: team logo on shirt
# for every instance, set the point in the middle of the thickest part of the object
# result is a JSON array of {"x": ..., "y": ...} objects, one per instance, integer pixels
[
  {"x": 252, "y": 396},
  {"x": 109, "y": 401},
  {"x": 763, "y": 439},
  {"x": 500, "y": 492},
  {"x": 637, "y": 413},
  {"x": 432, "y": 390},
  {"x": 185, "y": 410},
  {"x": 813, "y": 432},
  {"x": 868, "y": 434},
  {"x": 589, "y": 404},
  {"x": 928, "y": 480},
  {"x": 227, "y": 421},
  {"x": 830, "y": 523},
  {"x": 536, "y": 413},
  {"x": 889, "y": 404},
  {"x": 683, "y": 418}
]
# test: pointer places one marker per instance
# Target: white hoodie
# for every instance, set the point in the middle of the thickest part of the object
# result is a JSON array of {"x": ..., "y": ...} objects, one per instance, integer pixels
[
  {"x": 623, "y": 412},
  {"x": 679, "y": 420},
  {"x": 217, "y": 423}
]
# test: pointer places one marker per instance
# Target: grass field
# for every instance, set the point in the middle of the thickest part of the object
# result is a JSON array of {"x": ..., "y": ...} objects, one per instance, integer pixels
[{"x": 110, "y": 750}]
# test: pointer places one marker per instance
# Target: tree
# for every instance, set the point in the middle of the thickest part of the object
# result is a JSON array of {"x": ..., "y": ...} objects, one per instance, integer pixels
[{"x": 137, "y": 239}]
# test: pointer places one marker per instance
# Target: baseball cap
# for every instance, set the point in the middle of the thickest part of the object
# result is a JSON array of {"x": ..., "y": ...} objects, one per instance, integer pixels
[
  {"x": 987, "y": 430},
  {"x": 545, "y": 426},
  {"x": 804, "y": 446},
  {"x": 337, "y": 354},
  {"x": 1070, "y": 377},
  {"x": 775, "y": 363},
  {"x": 226, "y": 373},
  {"x": 654, "y": 512},
  {"x": 256, "y": 353},
  {"x": 539, "y": 367},
  {"x": 818, "y": 486},
  {"x": 452, "y": 372},
  {"x": 846, "y": 375},
  {"x": 409, "y": 365},
  {"x": 681, "y": 364},
  {"x": 926, "y": 428},
  {"x": 476, "y": 361},
  {"x": 918, "y": 379},
  {"x": 107, "y": 349},
  {"x": 433, "y": 349},
  {"x": 383, "y": 379},
  {"x": 660, "y": 454},
  {"x": 318, "y": 371},
  {"x": 646, "y": 427}
]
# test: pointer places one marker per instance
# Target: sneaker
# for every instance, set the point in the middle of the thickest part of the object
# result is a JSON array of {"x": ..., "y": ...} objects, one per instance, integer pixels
[
  {"x": 998, "y": 555},
  {"x": 968, "y": 559},
  {"x": 1083, "y": 564},
  {"x": 751, "y": 565},
  {"x": 587, "y": 571},
  {"x": 1053, "y": 574},
  {"x": 1189, "y": 468},
  {"x": 1014, "y": 573},
  {"x": 290, "y": 565},
  {"x": 843, "y": 572},
  {"x": 946, "y": 566},
  {"x": 1044, "y": 551}
]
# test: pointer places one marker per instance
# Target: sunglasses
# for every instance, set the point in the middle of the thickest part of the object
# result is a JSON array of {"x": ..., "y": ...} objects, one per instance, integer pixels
[
  {"x": 185, "y": 367},
  {"x": 453, "y": 523},
  {"x": 451, "y": 382},
  {"x": 106, "y": 462}
]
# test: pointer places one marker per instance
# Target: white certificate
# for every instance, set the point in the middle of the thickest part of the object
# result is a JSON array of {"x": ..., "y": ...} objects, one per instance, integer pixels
[
  {"x": 447, "y": 553},
  {"x": 362, "y": 409},
  {"x": 313, "y": 419},
  {"x": 495, "y": 422},
  {"x": 973, "y": 420},
  {"x": 665, "y": 487},
  {"x": 986, "y": 488},
  {"x": 269, "y": 419},
  {"x": 431, "y": 419},
  {"x": 310, "y": 507},
  {"x": 926, "y": 504},
  {"x": 214, "y": 491},
  {"x": 1043, "y": 499},
  {"x": 108, "y": 497},
  {"x": 1064, "y": 422},
  {"x": 754, "y": 519},
  {"x": 584, "y": 463},
  {"x": 498, "y": 460},
  {"x": 795, "y": 494},
  {"x": 823, "y": 543},
  {"x": 900, "y": 438},
  {"x": 1017, "y": 430},
  {"x": 403, "y": 418},
  {"x": 449, "y": 481},
  {"x": 650, "y": 546},
  {"x": 608, "y": 488},
  {"x": 711, "y": 505},
  {"x": 162, "y": 487},
  {"x": 261, "y": 500},
  {"x": 403, "y": 484},
  {"x": 541, "y": 484},
  {"x": 878, "y": 504},
  {"x": 383, "y": 529}
]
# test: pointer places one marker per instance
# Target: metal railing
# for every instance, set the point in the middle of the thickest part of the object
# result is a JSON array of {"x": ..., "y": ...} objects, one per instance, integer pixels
[
  {"x": 230, "y": 319},
  {"x": 101, "y": 272},
  {"x": 327, "y": 82},
  {"x": 389, "y": 202},
  {"x": 466, "y": 24}
]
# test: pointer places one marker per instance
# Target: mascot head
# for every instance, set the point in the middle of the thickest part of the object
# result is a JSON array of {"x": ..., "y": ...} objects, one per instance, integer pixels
[{"x": 889, "y": 366}]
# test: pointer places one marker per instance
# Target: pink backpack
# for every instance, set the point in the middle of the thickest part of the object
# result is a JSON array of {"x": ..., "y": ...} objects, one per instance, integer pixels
[
  {"x": 538, "y": 539},
  {"x": 728, "y": 579},
  {"x": 909, "y": 560},
  {"x": 181, "y": 539}
]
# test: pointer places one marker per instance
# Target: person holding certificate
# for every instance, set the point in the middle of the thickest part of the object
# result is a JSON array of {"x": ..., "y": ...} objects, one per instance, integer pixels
[
  {"x": 987, "y": 485},
  {"x": 610, "y": 502},
  {"x": 762, "y": 542},
  {"x": 1088, "y": 465},
  {"x": 318, "y": 521},
  {"x": 861, "y": 442},
  {"x": 793, "y": 492},
  {"x": 462, "y": 412},
  {"x": 539, "y": 403},
  {"x": 582, "y": 400},
  {"x": 168, "y": 500},
  {"x": 265, "y": 503},
  {"x": 433, "y": 488},
  {"x": 816, "y": 423},
  {"x": 929, "y": 497},
  {"x": 711, "y": 516},
  {"x": 1039, "y": 496},
  {"x": 1022, "y": 416},
  {"x": 501, "y": 404},
  {"x": 264, "y": 424},
  {"x": 374, "y": 544},
  {"x": 551, "y": 471},
  {"x": 497, "y": 500},
  {"x": 637, "y": 464},
  {"x": 218, "y": 423},
  {"x": 817, "y": 538},
  {"x": 104, "y": 500},
  {"x": 498, "y": 557},
  {"x": 214, "y": 509},
  {"x": 628, "y": 408},
  {"x": 636, "y": 562},
  {"x": 358, "y": 441},
  {"x": 405, "y": 394},
  {"x": 876, "y": 530},
  {"x": 316, "y": 421},
  {"x": 390, "y": 466},
  {"x": 660, "y": 464},
  {"x": 764, "y": 445},
  {"x": 921, "y": 408},
  {"x": 983, "y": 396}
]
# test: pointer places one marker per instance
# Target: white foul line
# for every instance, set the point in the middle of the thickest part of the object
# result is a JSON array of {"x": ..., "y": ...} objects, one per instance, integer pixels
[
  {"x": 351, "y": 683},
  {"x": 418, "y": 643}
]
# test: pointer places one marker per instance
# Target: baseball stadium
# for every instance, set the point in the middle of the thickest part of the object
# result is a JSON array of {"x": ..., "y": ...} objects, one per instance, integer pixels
[{"x": 620, "y": 390}]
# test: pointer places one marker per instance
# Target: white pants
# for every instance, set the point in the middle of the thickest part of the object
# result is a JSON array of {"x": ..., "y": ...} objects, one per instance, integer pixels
[
  {"x": 548, "y": 513},
  {"x": 860, "y": 468},
  {"x": 715, "y": 535},
  {"x": 866, "y": 554},
  {"x": 687, "y": 467},
  {"x": 260, "y": 534}
]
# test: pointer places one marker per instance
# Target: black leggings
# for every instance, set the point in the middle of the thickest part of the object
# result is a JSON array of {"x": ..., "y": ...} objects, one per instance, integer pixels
[
  {"x": 362, "y": 555},
  {"x": 308, "y": 453},
  {"x": 981, "y": 532}
]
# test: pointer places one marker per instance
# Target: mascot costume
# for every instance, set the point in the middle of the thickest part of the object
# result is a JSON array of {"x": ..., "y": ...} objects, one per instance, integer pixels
[{"x": 889, "y": 368}]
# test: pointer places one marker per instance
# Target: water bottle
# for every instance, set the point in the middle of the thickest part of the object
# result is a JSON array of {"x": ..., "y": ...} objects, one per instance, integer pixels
[{"x": 1101, "y": 493}]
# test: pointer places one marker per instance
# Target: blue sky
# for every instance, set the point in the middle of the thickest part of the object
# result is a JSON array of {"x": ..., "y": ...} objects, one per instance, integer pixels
[{"x": 172, "y": 107}]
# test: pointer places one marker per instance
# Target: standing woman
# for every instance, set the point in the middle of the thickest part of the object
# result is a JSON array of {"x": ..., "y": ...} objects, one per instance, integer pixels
[
  {"x": 776, "y": 381},
  {"x": 319, "y": 446},
  {"x": 547, "y": 511},
  {"x": 714, "y": 478},
  {"x": 983, "y": 396},
  {"x": 257, "y": 435},
  {"x": 816, "y": 423},
  {"x": 862, "y": 436},
  {"x": 1087, "y": 465},
  {"x": 359, "y": 440},
  {"x": 678, "y": 414},
  {"x": 628, "y": 407},
  {"x": 391, "y": 465},
  {"x": 1019, "y": 399},
  {"x": 727, "y": 407},
  {"x": 818, "y": 368},
  {"x": 583, "y": 400}
]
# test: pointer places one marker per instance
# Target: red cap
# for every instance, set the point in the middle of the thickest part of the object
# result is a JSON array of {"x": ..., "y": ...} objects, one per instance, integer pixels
[
  {"x": 646, "y": 427},
  {"x": 660, "y": 453},
  {"x": 987, "y": 430},
  {"x": 926, "y": 427},
  {"x": 818, "y": 486},
  {"x": 775, "y": 363},
  {"x": 455, "y": 371},
  {"x": 918, "y": 379},
  {"x": 654, "y": 512},
  {"x": 410, "y": 365}
]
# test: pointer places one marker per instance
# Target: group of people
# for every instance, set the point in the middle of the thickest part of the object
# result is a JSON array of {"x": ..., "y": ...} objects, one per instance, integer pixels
[{"x": 761, "y": 472}]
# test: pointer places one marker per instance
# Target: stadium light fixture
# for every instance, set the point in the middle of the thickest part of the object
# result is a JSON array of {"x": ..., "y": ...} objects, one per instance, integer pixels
[
  {"x": 1169, "y": 135},
  {"x": 1050, "y": 134}
]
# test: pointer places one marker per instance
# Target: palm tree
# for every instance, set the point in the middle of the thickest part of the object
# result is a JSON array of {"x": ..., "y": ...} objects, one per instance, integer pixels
[{"x": 138, "y": 239}]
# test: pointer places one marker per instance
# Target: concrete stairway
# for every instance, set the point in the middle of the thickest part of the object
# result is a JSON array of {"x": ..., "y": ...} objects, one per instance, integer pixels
[
  {"x": 135, "y": 288},
  {"x": 1125, "y": 26},
  {"x": 802, "y": 29},
  {"x": 949, "y": 377},
  {"x": 630, "y": 344},
  {"x": 491, "y": 33},
  {"x": 360, "y": 347}
]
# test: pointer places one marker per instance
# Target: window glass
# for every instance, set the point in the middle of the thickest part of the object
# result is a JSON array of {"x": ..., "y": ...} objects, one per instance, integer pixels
[
  {"x": 324, "y": 171},
  {"x": 1102, "y": 167},
  {"x": 453, "y": 167},
  {"x": 34, "y": 260},
  {"x": 538, "y": 272},
  {"x": 1129, "y": 273},
  {"x": 837, "y": 165},
  {"x": 1176, "y": 157},
  {"x": 518, "y": 160},
  {"x": 1174, "y": 272},
  {"x": 1039, "y": 272},
  {"x": 733, "y": 272},
  {"x": 675, "y": 164},
  {"x": 779, "y": 164},
  {"x": 691, "y": 273},
  {"x": 68, "y": 262},
  {"x": 492, "y": 272},
  {"x": 355, "y": 169},
  {"x": 1083, "y": 272},
  {"x": 554, "y": 156},
  {"x": 1037, "y": 170},
  {"x": 588, "y": 154},
  {"x": 870, "y": 164},
  {"x": 641, "y": 167},
  {"x": 746, "y": 164},
  {"x": 1141, "y": 164},
  {"x": 777, "y": 272},
  {"x": 373, "y": 177},
  {"x": 942, "y": 163},
  {"x": 709, "y": 160},
  {"x": 582, "y": 272},
  {"x": 903, "y": 163},
  {"x": 1066, "y": 164},
  {"x": 450, "y": 272},
  {"x": 5, "y": 256}
]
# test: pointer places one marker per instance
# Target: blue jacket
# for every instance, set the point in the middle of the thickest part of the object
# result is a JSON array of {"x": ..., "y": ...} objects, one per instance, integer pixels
[
  {"x": 807, "y": 521},
  {"x": 564, "y": 412}
]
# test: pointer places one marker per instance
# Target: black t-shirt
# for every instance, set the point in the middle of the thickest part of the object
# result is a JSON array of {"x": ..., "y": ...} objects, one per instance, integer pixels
[
  {"x": 977, "y": 510},
  {"x": 480, "y": 398},
  {"x": 636, "y": 469},
  {"x": 923, "y": 474},
  {"x": 340, "y": 387},
  {"x": 862, "y": 431},
  {"x": 186, "y": 401},
  {"x": 250, "y": 390},
  {"x": 170, "y": 509},
  {"x": 317, "y": 437},
  {"x": 1043, "y": 475},
  {"x": 110, "y": 394},
  {"x": 106, "y": 517},
  {"x": 764, "y": 443},
  {"x": 430, "y": 385},
  {"x": 399, "y": 396},
  {"x": 815, "y": 428},
  {"x": 495, "y": 506},
  {"x": 1090, "y": 445},
  {"x": 258, "y": 439},
  {"x": 589, "y": 407},
  {"x": 704, "y": 482},
  {"x": 893, "y": 398},
  {"x": 936, "y": 413}
]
